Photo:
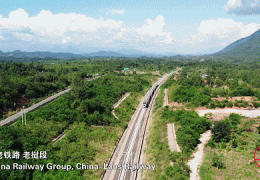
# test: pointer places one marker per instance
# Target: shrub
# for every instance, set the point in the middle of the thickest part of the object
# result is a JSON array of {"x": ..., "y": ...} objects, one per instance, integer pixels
[
  {"x": 245, "y": 104},
  {"x": 174, "y": 156},
  {"x": 211, "y": 143},
  {"x": 247, "y": 125},
  {"x": 256, "y": 104},
  {"x": 236, "y": 104},
  {"x": 258, "y": 128},
  {"x": 244, "y": 143},
  {"x": 218, "y": 161},
  {"x": 229, "y": 104},
  {"x": 176, "y": 172},
  {"x": 234, "y": 143},
  {"x": 234, "y": 118},
  {"x": 223, "y": 145},
  {"x": 221, "y": 130},
  {"x": 212, "y": 105}
]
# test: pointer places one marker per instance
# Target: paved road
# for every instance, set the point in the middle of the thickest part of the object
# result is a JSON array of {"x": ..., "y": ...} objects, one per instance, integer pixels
[
  {"x": 33, "y": 107},
  {"x": 128, "y": 152}
]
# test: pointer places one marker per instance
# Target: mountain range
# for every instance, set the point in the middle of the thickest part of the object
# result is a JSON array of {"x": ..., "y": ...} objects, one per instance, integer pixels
[
  {"x": 62, "y": 55},
  {"x": 248, "y": 46}
]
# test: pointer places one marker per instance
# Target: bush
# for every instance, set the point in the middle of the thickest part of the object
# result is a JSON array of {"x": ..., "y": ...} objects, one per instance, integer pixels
[
  {"x": 211, "y": 143},
  {"x": 234, "y": 118},
  {"x": 234, "y": 143},
  {"x": 244, "y": 143},
  {"x": 258, "y": 128},
  {"x": 245, "y": 104},
  {"x": 256, "y": 104},
  {"x": 218, "y": 161},
  {"x": 212, "y": 105},
  {"x": 247, "y": 125},
  {"x": 223, "y": 145},
  {"x": 221, "y": 130},
  {"x": 176, "y": 172},
  {"x": 174, "y": 156},
  {"x": 229, "y": 104}
]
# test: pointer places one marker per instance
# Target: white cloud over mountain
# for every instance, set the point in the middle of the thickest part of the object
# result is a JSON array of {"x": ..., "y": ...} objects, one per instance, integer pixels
[
  {"x": 227, "y": 28},
  {"x": 220, "y": 33},
  {"x": 240, "y": 7}
]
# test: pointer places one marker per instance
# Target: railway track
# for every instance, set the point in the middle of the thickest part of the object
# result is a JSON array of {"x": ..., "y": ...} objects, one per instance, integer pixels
[{"x": 124, "y": 163}]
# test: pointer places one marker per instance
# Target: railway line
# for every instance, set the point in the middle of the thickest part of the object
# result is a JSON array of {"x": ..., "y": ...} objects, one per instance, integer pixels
[{"x": 124, "y": 163}]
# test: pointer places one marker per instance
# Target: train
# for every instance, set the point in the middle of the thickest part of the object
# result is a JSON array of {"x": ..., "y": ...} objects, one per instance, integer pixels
[{"x": 149, "y": 95}]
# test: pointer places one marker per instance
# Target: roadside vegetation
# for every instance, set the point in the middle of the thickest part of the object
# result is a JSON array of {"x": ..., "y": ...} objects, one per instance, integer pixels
[{"x": 188, "y": 125}]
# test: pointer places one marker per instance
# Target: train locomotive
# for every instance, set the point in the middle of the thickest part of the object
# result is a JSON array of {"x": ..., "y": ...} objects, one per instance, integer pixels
[{"x": 149, "y": 96}]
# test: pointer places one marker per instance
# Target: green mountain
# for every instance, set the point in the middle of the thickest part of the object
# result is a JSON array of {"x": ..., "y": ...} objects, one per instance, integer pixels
[{"x": 248, "y": 46}]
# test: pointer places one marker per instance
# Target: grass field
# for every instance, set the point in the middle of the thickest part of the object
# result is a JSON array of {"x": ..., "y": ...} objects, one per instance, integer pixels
[{"x": 238, "y": 162}]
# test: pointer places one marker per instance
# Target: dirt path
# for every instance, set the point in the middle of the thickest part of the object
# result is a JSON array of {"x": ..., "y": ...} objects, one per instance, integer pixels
[
  {"x": 58, "y": 137},
  {"x": 33, "y": 107},
  {"x": 118, "y": 103},
  {"x": 114, "y": 114},
  {"x": 172, "y": 138},
  {"x": 254, "y": 113},
  {"x": 198, "y": 156},
  {"x": 166, "y": 99}
]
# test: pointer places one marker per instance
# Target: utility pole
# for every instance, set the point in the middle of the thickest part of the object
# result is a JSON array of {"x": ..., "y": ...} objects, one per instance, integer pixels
[{"x": 22, "y": 115}]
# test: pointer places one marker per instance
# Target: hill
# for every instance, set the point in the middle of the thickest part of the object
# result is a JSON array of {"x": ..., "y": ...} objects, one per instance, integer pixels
[
  {"x": 248, "y": 46},
  {"x": 105, "y": 54},
  {"x": 20, "y": 54}
]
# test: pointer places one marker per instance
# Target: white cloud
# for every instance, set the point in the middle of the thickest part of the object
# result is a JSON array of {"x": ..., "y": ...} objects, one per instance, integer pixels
[
  {"x": 61, "y": 28},
  {"x": 76, "y": 30},
  {"x": 117, "y": 11},
  {"x": 24, "y": 36},
  {"x": 234, "y": 3},
  {"x": 154, "y": 28},
  {"x": 47, "y": 23},
  {"x": 216, "y": 34},
  {"x": 17, "y": 19},
  {"x": 243, "y": 7},
  {"x": 226, "y": 28}
]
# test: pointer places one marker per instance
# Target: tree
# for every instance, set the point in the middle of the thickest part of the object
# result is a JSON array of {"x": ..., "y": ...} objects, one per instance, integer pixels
[{"x": 221, "y": 130}]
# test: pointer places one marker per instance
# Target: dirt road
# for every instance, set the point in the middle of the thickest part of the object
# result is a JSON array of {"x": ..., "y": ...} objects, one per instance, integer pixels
[{"x": 198, "y": 156}]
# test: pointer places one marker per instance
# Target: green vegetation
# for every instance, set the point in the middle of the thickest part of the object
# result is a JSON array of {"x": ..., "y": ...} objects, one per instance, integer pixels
[
  {"x": 91, "y": 132},
  {"x": 244, "y": 47},
  {"x": 84, "y": 114},
  {"x": 189, "y": 126},
  {"x": 158, "y": 152},
  {"x": 232, "y": 157}
]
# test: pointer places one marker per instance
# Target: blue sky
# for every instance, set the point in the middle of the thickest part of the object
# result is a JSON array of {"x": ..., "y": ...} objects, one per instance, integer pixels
[{"x": 186, "y": 27}]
